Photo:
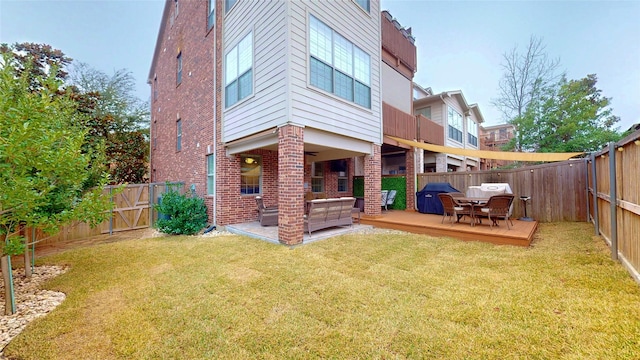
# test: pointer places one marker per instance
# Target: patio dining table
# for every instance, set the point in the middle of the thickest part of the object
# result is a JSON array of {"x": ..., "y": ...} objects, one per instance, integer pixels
[{"x": 475, "y": 202}]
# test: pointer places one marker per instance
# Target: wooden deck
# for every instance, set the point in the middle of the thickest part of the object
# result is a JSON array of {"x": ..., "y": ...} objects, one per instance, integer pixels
[{"x": 521, "y": 233}]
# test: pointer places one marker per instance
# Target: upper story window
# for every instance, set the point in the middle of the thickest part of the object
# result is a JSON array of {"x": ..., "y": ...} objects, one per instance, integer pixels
[
  {"x": 211, "y": 19},
  {"x": 365, "y": 4},
  {"x": 178, "y": 135},
  {"x": 250, "y": 174},
  {"x": 179, "y": 68},
  {"x": 426, "y": 112},
  {"x": 228, "y": 4},
  {"x": 317, "y": 177},
  {"x": 455, "y": 125},
  {"x": 210, "y": 173},
  {"x": 337, "y": 66},
  {"x": 177, "y": 8},
  {"x": 238, "y": 64},
  {"x": 472, "y": 131}
]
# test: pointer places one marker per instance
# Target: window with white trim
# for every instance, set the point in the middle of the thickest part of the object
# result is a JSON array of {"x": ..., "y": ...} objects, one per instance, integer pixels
[
  {"x": 338, "y": 66},
  {"x": 472, "y": 131},
  {"x": 228, "y": 4},
  {"x": 317, "y": 177},
  {"x": 210, "y": 174},
  {"x": 238, "y": 64},
  {"x": 343, "y": 181},
  {"x": 426, "y": 112},
  {"x": 250, "y": 174},
  {"x": 365, "y": 4},
  {"x": 455, "y": 125},
  {"x": 211, "y": 19}
]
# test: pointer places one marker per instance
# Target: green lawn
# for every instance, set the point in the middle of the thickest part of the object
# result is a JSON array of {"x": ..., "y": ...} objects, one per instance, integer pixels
[{"x": 360, "y": 296}]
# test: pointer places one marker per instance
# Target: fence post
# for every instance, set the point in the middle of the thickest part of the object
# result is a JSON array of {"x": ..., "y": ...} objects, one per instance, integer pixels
[
  {"x": 594, "y": 178},
  {"x": 111, "y": 212},
  {"x": 151, "y": 203},
  {"x": 613, "y": 198}
]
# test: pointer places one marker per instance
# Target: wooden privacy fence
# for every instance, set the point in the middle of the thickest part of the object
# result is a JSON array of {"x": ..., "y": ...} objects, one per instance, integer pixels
[
  {"x": 558, "y": 191},
  {"x": 614, "y": 174},
  {"x": 132, "y": 209}
]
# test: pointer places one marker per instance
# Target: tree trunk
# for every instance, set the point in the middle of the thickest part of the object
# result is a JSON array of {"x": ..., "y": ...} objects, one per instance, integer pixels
[{"x": 6, "y": 275}]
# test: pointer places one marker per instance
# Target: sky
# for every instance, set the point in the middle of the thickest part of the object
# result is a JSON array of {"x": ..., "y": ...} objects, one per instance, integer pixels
[{"x": 460, "y": 43}]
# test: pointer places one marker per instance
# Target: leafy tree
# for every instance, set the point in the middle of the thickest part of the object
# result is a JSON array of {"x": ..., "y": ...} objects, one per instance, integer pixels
[
  {"x": 43, "y": 167},
  {"x": 37, "y": 60},
  {"x": 118, "y": 117},
  {"x": 570, "y": 116},
  {"x": 526, "y": 76}
]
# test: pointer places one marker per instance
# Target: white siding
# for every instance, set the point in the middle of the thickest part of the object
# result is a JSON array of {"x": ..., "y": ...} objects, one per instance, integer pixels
[
  {"x": 267, "y": 107},
  {"x": 317, "y": 109},
  {"x": 396, "y": 89}
]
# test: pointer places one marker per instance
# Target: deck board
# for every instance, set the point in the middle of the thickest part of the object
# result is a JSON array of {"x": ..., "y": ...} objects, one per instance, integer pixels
[{"x": 521, "y": 233}]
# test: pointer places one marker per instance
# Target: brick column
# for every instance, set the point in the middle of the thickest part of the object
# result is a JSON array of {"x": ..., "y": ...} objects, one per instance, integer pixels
[
  {"x": 411, "y": 179},
  {"x": 290, "y": 184},
  {"x": 373, "y": 182}
]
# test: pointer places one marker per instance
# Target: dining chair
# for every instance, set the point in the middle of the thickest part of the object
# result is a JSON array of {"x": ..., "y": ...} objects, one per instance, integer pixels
[
  {"x": 497, "y": 208},
  {"x": 454, "y": 209}
]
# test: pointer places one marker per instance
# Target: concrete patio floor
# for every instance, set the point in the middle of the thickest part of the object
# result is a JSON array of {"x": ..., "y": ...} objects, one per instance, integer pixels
[{"x": 270, "y": 233}]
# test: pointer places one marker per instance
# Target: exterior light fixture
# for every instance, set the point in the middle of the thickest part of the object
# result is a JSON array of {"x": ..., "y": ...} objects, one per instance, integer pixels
[
  {"x": 621, "y": 149},
  {"x": 637, "y": 142}
]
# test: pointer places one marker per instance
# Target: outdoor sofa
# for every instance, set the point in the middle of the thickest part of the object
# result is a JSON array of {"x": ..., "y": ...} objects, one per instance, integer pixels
[{"x": 326, "y": 213}]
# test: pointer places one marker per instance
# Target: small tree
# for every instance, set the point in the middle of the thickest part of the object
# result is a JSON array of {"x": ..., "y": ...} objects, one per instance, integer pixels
[{"x": 43, "y": 166}]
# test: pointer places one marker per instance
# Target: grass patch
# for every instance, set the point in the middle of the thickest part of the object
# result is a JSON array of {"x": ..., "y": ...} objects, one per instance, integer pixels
[{"x": 356, "y": 296}]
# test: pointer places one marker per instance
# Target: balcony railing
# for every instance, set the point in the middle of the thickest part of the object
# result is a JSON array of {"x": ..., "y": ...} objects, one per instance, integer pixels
[
  {"x": 397, "y": 44},
  {"x": 398, "y": 123},
  {"x": 429, "y": 131}
]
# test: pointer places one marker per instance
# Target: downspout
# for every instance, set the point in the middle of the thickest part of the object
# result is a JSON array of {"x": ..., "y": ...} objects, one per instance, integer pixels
[{"x": 215, "y": 120}]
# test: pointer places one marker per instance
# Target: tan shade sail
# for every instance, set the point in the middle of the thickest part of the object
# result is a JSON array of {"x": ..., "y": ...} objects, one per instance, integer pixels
[{"x": 485, "y": 154}]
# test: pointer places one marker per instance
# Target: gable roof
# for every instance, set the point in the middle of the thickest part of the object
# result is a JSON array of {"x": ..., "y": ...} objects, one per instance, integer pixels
[{"x": 458, "y": 95}]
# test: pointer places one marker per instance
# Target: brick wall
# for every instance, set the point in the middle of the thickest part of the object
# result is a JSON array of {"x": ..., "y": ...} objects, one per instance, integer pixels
[{"x": 191, "y": 101}]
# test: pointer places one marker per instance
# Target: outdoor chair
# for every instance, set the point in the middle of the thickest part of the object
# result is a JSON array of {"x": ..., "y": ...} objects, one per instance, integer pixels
[
  {"x": 456, "y": 194},
  {"x": 454, "y": 209},
  {"x": 391, "y": 197},
  {"x": 385, "y": 194},
  {"x": 497, "y": 208},
  {"x": 267, "y": 215}
]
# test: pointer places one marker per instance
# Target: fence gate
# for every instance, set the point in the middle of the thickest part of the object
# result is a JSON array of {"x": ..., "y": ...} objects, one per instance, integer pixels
[{"x": 130, "y": 209}]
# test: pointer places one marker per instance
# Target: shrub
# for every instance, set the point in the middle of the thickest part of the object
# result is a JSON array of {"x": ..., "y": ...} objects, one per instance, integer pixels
[{"x": 182, "y": 214}]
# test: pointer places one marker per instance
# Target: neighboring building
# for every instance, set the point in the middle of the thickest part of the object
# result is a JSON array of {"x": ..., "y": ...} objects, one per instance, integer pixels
[
  {"x": 270, "y": 98},
  {"x": 494, "y": 138},
  {"x": 460, "y": 122}
]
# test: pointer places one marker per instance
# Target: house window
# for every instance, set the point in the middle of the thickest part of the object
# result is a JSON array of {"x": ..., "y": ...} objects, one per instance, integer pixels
[
  {"x": 155, "y": 142},
  {"x": 210, "y": 174},
  {"x": 238, "y": 71},
  {"x": 337, "y": 66},
  {"x": 179, "y": 68},
  {"x": 343, "y": 182},
  {"x": 472, "y": 131},
  {"x": 426, "y": 112},
  {"x": 317, "y": 177},
  {"x": 212, "y": 17},
  {"x": 177, "y": 8},
  {"x": 250, "y": 174},
  {"x": 228, "y": 4},
  {"x": 365, "y": 4},
  {"x": 455, "y": 125},
  {"x": 178, "y": 135},
  {"x": 155, "y": 88}
]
